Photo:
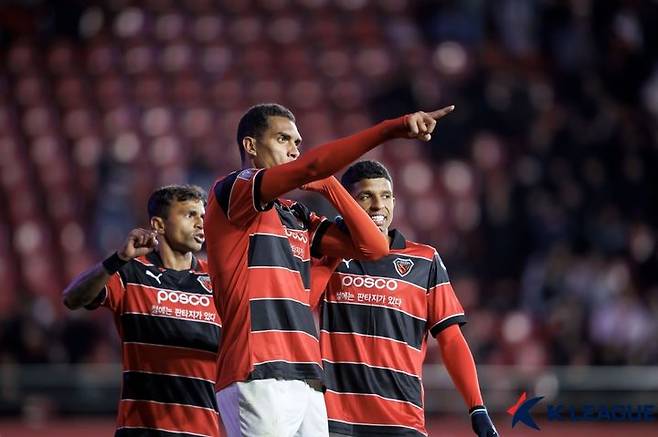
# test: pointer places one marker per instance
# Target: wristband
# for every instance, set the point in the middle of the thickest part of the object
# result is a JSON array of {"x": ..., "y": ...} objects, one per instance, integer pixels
[
  {"x": 477, "y": 409},
  {"x": 113, "y": 263}
]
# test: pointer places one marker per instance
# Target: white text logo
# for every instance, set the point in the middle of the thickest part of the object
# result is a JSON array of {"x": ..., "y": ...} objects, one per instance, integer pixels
[
  {"x": 368, "y": 282},
  {"x": 297, "y": 235},
  {"x": 184, "y": 298}
]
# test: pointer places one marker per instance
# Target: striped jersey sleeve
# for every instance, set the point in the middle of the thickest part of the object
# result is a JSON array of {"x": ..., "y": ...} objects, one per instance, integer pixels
[
  {"x": 238, "y": 195},
  {"x": 443, "y": 307},
  {"x": 113, "y": 292}
]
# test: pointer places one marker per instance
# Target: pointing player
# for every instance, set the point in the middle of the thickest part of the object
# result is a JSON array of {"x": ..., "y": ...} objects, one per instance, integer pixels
[
  {"x": 163, "y": 306},
  {"x": 259, "y": 252},
  {"x": 375, "y": 319}
]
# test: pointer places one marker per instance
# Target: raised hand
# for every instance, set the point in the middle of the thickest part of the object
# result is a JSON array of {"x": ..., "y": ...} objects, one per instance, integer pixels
[
  {"x": 139, "y": 242},
  {"x": 420, "y": 125}
]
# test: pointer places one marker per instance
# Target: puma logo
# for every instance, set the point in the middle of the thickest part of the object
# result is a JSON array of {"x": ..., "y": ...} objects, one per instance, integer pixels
[{"x": 154, "y": 276}]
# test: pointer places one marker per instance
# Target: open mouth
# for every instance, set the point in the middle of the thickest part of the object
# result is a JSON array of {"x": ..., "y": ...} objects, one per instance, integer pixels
[
  {"x": 199, "y": 238},
  {"x": 379, "y": 219}
]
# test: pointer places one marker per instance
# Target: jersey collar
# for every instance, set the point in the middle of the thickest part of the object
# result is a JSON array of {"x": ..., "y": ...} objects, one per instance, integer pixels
[
  {"x": 154, "y": 258},
  {"x": 397, "y": 239}
]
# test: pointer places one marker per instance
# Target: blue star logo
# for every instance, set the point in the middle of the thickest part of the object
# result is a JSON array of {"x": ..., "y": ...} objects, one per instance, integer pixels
[{"x": 520, "y": 411}]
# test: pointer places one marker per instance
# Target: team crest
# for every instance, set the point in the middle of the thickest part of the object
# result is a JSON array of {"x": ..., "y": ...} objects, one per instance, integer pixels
[
  {"x": 205, "y": 283},
  {"x": 403, "y": 266}
]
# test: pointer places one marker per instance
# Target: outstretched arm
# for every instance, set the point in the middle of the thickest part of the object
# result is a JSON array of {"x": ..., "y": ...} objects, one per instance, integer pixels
[
  {"x": 88, "y": 284},
  {"x": 325, "y": 160}
]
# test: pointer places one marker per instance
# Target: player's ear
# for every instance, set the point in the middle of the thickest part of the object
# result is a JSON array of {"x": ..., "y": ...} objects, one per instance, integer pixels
[
  {"x": 249, "y": 146},
  {"x": 158, "y": 225}
]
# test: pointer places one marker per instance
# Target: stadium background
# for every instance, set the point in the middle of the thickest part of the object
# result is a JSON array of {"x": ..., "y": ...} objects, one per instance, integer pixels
[{"x": 539, "y": 191}]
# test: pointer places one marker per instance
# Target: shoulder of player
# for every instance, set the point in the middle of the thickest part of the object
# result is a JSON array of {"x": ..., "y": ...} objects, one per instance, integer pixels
[
  {"x": 201, "y": 267},
  {"x": 228, "y": 176},
  {"x": 415, "y": 249},
  {"x": 246, "y": 174},
  {"x": 232, "y": 177}
]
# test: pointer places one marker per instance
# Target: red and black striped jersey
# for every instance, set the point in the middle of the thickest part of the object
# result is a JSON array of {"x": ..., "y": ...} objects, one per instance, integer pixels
[
  {"x": 170, "y": 333},
  {"x": 375, "y": 318},
  {"x": 259, "y": 261}
]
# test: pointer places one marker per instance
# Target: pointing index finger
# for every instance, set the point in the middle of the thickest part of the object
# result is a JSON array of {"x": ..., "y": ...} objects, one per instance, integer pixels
[{"x": 440, "y": 113}]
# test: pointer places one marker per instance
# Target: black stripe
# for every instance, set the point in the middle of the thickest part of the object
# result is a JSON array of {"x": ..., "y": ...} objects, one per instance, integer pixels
[
  {"x": 458, "y": 319},
  {"x": 283, "y": 370},
  {"x": 286, "y": 315},
  {"x": 359, "y": 378},
  {"x": 148, "y": 432},
  {"x": 258, "y": 203},
  {"x": 371, "y": 430},
  {"x": 270, "y": 251},
  {"x": 372, "y": 320},
  {"x": 438, "y": 273},
  {"x": 419, "y": 275},
  {"x": 168, "y": 389},
  {"x": 170, "y": 332},
  {"x": 181, "y": 281},
  {"x": 222, "y": 190},
  {"x": 317, "y": 238}
]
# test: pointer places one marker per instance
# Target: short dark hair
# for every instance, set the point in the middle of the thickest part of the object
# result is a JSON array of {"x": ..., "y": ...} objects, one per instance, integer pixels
[
  {"x": 255, "y": 121},
  {"x": 368, "y": 169},
  {"x": 162, "y": 198}
]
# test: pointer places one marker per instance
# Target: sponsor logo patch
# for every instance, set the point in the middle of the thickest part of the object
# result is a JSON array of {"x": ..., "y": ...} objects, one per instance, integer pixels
[
  {"x": 183, "y": 298},
  {"x": 247, "y": 174},
  {"x": 369, "y": 282}
]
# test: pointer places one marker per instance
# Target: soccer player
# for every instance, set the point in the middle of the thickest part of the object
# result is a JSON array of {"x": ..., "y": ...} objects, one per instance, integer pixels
[
  {"x": 259, "y": 251},
  {"x": 375, "y": 317},
  {"x": 164, "y": 311}
]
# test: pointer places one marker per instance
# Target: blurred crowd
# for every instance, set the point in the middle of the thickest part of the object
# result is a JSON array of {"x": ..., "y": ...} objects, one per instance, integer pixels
[{"x": 539, "y": 191}]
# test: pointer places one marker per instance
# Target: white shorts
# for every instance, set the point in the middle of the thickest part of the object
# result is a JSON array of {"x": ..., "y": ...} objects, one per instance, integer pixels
[{"x": 273, "y": 407}]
